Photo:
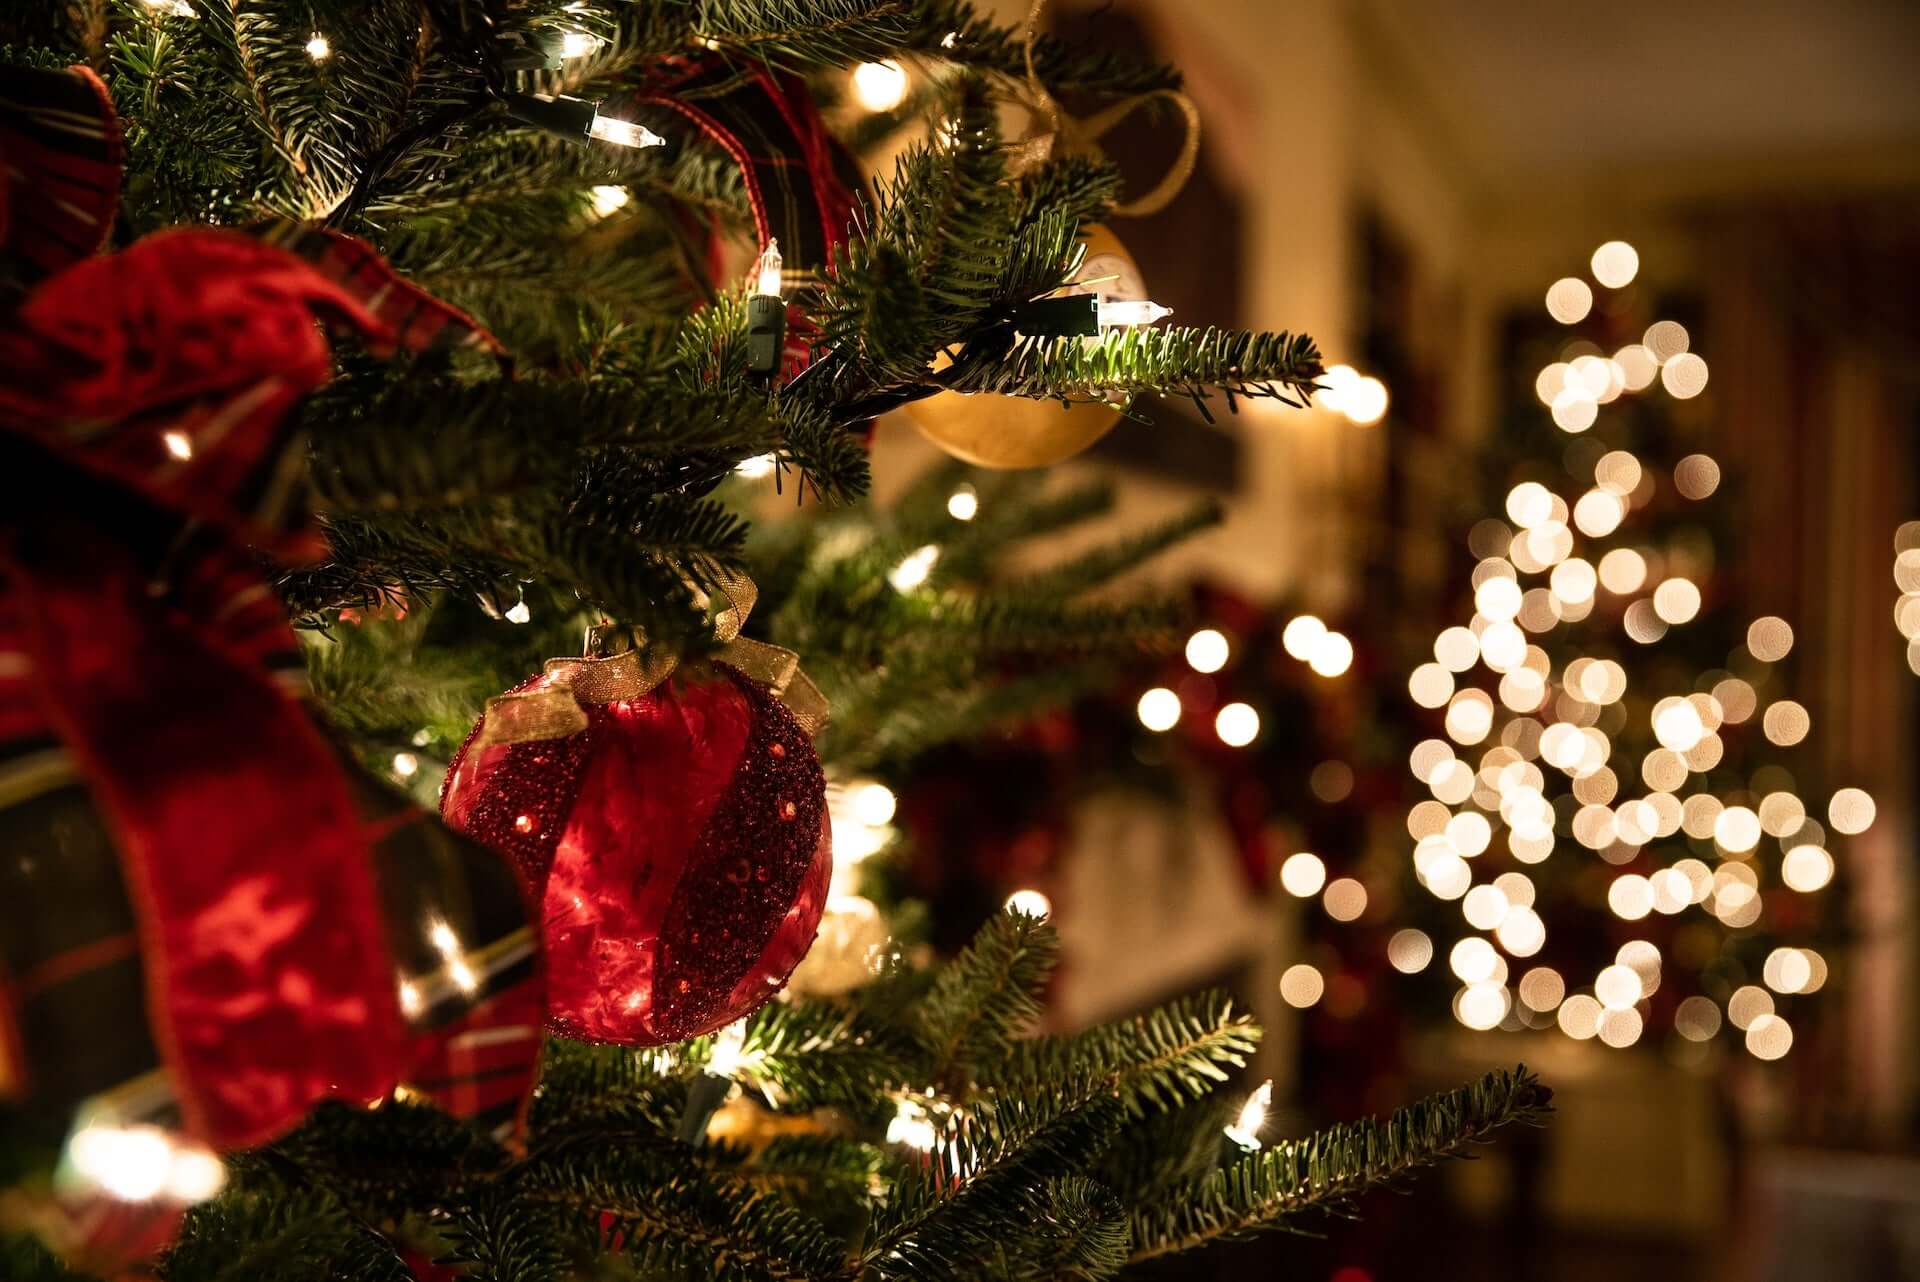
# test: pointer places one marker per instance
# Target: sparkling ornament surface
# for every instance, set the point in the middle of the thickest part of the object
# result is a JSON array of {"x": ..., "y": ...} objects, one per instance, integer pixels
[{"x": 679, "y": 846}]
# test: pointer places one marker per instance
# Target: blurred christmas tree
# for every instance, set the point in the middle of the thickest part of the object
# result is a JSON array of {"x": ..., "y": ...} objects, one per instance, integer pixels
[
  {"x": 1614, "y": 841},
  {"x": 467, "y": 269}
]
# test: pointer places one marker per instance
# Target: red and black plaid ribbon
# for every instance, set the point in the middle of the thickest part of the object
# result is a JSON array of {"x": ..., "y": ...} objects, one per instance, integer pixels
[{"x": 201, "y": 883}]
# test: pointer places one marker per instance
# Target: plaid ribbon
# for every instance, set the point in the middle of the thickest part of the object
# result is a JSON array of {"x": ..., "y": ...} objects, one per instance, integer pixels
[{"x": 152, "y": 742}]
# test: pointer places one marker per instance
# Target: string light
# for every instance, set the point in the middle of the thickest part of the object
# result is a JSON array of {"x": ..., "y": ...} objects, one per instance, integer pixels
[
  {"x": 518, "y": 612},
  {"x": 609, "y": 198},
  {"x": 144, "y": 1164},
  {"x": 758, "y": 467},
  {"x": 963, "y": 504},
  {"x": 1207, "y": 650},
  {"x": 1301, "y": 986},
  {"x": 177, "y": 445},
  {"x": 405, "y": 765},
  {"x": 728, "y": 1051},
  {"x": 1030, "y": 902},
  {"x": 1245, "y": 1130},
  {"x": 914, "y": 569},
  {"x": 1121, "y": 313},
  {"x": 318, "y": 49},
  {"x": 880, "y": 86},
  {"x": 1159, "y": 709},
  {"x": 1303, "y": 874},
  {"x": 1569, "y": 299},
  {"x": 579, "y": 44},
  {"x": 912, "y": 1126},
  {"x": 1237, "y": 724},
  {"x": 1302, "y": 633},
  {"x": 1362, "y": 399},
  {"x": 1615, "y": 264}
]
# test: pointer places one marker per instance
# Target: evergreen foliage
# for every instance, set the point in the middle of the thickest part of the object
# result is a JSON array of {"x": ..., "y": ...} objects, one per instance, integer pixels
[{"x": 1048, "y": 1156}]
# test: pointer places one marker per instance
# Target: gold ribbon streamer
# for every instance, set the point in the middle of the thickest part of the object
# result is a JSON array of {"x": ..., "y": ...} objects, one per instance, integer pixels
[
  {"x": 1071, "y": 135},
  {"x": 557, "y": 708}
]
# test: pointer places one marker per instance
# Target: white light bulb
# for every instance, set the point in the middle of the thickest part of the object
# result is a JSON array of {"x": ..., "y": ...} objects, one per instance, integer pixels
[
  {"x": 405, "y": 765},
  {"x": 880, "y": 86},
  {"x": 1365, "y": 402},
  {"x": 874, "y": 804},
  {"x": 1030, "y": 902},
  {"x": 766, "y": 270},
  {"x": 177, "y": 444},
  {"x": 911, "y": 1126},
  {"x": 1207, "y": 650},
  {"x": 724, "y": 1059},
  {"x": 1245, "y": 1130},
  {"x": 1130, "y": 313},
  {"x": 757, "y": 467},
  {"x": 318, "y": 49},
  {"x": 578, "y": 44},
  {"x": 1237, "y": 725},
  {"x": 608, "y": 198},
  {"x": 963, "y": 504},
  {"x": 519, "y": 613},
  {"x": 1159, "y": 709},
  {"x": 914, "y": 569},
  {"x": 623, "y": 133}
]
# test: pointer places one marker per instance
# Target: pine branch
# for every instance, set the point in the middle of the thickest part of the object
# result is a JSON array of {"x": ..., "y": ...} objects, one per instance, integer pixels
[
  {"x": 1171, "y": 1055},
  {"x": 805, "y": 1055},
  {"x": 989, "y": 994},
  {"x": 1326, "y": 1170},
  {"x": 954, "y": 30},
  {"x": 804, "y": 33}
]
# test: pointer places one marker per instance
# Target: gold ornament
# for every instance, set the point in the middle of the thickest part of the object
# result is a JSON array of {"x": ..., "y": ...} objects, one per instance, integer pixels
[{"x": 1005, "y": 432}]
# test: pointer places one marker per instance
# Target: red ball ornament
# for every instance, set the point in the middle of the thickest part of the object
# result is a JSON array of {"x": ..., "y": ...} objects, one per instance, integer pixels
[{"x": 678, "y": 845}]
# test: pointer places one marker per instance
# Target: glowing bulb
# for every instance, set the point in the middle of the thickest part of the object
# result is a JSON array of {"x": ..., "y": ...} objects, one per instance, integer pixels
[
  {"x": 405, "y": 765},
  {"x": 177, "y": 445},
  {"x": 444, "y": 941},
  {"x": 318, "y": 49},
  {"x": 1365, "y": 402},
  {"x": 1615, "y": 263},
  {"x": 608, "y": 198},
  {"x": 728, "y": 1044},
  {"x": 1618, "y": 987},
  {"x": 131, "y": 1163},
  {"x": 1129, "y": 313},
  {"x": 1569, "y": 299},
  {"x": 880, "y": 86},
  {"x": 578, "y": 44},
  {"x": 911, "y": 1126},
  {"x": 194, "y": 1174},
  {"x": 874, "y": 804},
  {"x": 1409, "y": 951},
  {"x": 623, "y": 133},
  {"x": 1303, "y": 874},
  {"x": 518, "y": 613},
  {"x": 767, "y": 270},
  {"x": 462, "y": 975},
  {"x": 1237, "y": 725},
  {"x": 1030, "y": 902},
  {"x": 170, "y": 8},
  {"x": 1245, "y": 1130},
  {"x": 757, "y": 467},
  {"x": 1302, "y": 634},
  {"x": 963, "y": 504},
  {"x": 1301, "y": 986},
  {"x": 1159, "y": 709},
  {"x": 1332, "y": 656},
  {"x": 914, "y": 569},
  {"x": 1207, "y": 650}
]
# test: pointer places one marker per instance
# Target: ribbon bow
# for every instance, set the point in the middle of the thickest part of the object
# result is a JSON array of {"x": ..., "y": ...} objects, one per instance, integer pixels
[
  {"x": 1071, "y": 136},
  {"x": 555, "y": 706}
]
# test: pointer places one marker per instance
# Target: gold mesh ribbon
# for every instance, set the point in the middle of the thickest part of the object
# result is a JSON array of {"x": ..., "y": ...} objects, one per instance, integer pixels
[
  {"x": 557, "y": 708},
  {"x": 1069, "y": 136}
]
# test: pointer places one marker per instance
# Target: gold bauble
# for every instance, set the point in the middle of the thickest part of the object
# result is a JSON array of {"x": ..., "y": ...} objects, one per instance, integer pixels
[{"x": 1006, "y": 432}]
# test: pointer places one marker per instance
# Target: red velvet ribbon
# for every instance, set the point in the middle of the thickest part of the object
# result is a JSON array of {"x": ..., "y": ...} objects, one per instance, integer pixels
[{"x": 167, "y": 370}]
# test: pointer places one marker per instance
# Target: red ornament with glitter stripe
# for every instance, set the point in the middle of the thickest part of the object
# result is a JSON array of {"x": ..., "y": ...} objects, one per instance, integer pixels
[{"x": 678, "y": 845}]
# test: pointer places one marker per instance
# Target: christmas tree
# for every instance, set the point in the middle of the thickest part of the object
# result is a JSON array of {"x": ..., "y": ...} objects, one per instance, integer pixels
[{"x": 467, "y": 274}]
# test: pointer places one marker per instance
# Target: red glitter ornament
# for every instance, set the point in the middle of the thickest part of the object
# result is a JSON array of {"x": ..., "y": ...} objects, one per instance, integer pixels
[{"x": 678, "y": 843}]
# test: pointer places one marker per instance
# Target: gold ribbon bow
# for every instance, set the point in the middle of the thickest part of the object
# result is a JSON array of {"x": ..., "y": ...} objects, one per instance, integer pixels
[
  {"x": 1071, "y": 136},
  {"x": 557, "y": 707}
]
